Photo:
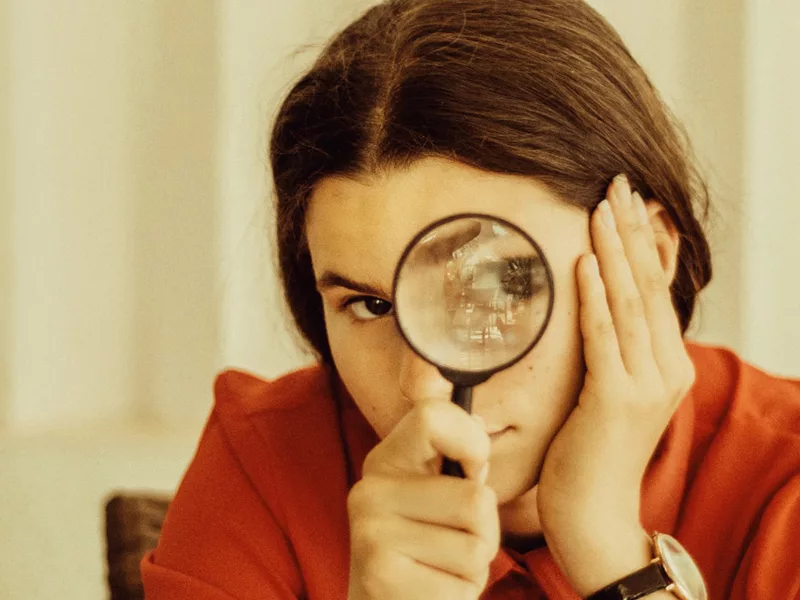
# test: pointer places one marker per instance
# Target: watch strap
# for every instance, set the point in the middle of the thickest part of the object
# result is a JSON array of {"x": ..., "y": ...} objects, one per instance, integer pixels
[{"x": 638, "y": 584}]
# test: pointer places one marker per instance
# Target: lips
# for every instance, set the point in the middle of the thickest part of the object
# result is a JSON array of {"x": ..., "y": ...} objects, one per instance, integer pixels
[{"x": 497, "y": 432}]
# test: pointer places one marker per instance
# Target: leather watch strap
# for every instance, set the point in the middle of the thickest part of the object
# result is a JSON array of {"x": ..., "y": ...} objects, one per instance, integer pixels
[{"x": 636, "y": 585}]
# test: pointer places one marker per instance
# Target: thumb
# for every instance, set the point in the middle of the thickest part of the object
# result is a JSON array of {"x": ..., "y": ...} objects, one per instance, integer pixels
[{"x": 431, "y": 430}]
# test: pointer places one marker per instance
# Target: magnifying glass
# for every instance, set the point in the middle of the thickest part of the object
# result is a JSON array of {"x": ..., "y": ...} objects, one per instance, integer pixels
[{"x": 472, "y": 293}]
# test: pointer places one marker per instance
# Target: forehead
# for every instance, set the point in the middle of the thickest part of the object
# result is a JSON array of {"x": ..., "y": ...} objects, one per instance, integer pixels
[{"x": 359, "y": 227}]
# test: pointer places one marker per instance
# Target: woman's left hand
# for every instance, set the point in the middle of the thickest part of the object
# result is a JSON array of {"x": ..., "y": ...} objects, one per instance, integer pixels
[{"x": 638, "y": 371}]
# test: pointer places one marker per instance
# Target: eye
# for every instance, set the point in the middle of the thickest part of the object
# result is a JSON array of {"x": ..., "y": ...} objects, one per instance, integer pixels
[
  {"x": 523, "y": 277},
  {"x": 368, "y": 308}
]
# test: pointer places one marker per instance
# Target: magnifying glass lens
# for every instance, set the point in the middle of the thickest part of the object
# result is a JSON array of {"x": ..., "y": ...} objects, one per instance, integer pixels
[{"x": 473, "y": 294}]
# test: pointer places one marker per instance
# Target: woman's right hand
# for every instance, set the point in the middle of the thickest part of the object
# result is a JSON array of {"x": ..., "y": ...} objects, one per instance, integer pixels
[{"x": 417, "y": 534}]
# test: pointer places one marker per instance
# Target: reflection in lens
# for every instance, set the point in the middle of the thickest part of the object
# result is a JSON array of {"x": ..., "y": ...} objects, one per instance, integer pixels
[{"x": 473, "y": 294}]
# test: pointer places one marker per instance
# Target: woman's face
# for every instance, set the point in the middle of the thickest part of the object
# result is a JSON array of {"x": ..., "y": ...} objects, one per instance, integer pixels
[{"x": 357, "y": 230}]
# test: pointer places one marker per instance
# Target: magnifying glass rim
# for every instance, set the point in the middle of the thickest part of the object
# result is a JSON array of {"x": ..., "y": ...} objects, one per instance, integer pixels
[{"x": 472, "y": 215}]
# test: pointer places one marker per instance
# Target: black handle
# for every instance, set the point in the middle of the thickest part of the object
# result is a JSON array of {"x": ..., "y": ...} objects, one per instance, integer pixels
[{"x": 462, "y": 396}]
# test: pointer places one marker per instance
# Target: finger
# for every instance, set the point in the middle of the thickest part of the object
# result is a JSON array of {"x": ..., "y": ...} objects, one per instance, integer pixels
[
  {"x": 627, "y": 309},
  {"x": 600, "y": 345},
  {"x": 639, "y": 242},
  {"x": 455, "y": 552},
  {"x": 398, "y": 573},
  {"x": 445, "y": 501},
  {"x": 427, "y": 433}
]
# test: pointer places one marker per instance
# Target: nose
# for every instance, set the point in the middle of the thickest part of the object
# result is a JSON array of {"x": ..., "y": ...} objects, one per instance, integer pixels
[{"x": 420, "y": 380}]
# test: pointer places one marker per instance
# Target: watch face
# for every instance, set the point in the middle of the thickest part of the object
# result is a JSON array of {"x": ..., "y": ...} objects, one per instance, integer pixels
[{"x": 681, "y": 568}]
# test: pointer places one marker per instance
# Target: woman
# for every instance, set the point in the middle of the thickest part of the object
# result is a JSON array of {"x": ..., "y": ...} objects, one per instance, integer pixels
[{"x": 326, "y": 483}]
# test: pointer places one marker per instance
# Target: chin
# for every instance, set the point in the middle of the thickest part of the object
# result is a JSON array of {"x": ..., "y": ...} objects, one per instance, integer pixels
[{"x": 509, "y": 491}]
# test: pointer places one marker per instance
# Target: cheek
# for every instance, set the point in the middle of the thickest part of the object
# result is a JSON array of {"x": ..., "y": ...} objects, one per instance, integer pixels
[
  {"x": 558, "y": 357},
  {"x": 365, "y": 358},
  {"x": 546, "y": 383}
]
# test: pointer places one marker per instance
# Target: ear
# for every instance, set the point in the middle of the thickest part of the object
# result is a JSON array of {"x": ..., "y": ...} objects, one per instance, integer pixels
[{"x": 667, "y": 237}]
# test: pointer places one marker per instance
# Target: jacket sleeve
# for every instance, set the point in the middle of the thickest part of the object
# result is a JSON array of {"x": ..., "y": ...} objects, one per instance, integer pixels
[
  {"x": 770, "y": 567},
  {"x": 220, "y": 540}
]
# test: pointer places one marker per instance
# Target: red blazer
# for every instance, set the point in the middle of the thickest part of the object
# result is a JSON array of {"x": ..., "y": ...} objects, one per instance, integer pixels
[{"x": 261, "y": 512}]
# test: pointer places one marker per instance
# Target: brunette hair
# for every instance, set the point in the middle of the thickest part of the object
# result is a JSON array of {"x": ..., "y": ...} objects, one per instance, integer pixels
[{"x": 542, "y": 88}]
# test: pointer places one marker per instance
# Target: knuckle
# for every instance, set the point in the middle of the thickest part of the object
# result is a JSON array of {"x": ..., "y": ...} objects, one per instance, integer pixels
[
  {"x": 488, "y": 501},
  {"x": 372, "y": 461},
  {"x": 654, "y": 283},
  {"x": 603, "y": 328},
  {"x": 477, "y": 555},
  {"x": 478, "y": 511},
  {"x": 460, "y": 589},
  {"x": 393, "y": 569},
  {"x": 427, "y": 416},
  {"x": 356, "y": 499},
  {"x": 382, "y": 575},
  {"x": 468, "y": 508},
  {"x": 363, "y": 495},
  {"x": 367, "y": 535},
  {"x": 482, "y": 448},
  {"x": 638, "y": 228},
  {"x": 471, "y": 505},
  {"x": 370, "y": 464},
  {"x": 633, "y": 306}
]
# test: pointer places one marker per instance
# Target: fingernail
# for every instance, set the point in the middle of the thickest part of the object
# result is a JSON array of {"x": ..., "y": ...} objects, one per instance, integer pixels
[
  {"x": 641, "y": 209},
  {"x": 484, "y": 474},
  {"x": 607, "y": 215},
  {"x": 622, "y": 190}
]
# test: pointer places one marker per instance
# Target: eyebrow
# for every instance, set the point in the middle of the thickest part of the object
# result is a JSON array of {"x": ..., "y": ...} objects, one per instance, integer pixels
[
  {"x": 330, "y": 279},
  {"x": 533, "y": 261}
]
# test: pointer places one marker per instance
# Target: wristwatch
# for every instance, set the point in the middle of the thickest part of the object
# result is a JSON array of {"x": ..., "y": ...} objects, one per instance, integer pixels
[{"x": 672, "y": 570}]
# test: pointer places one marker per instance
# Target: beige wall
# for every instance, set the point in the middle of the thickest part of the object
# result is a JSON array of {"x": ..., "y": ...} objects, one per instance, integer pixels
[
  {"x": 5, "y": 212},
  {"x": 108, "y": 310},
  {"x": 135, "y": 235},
  {"x": 133, "y": 264},
  {"x": 113, "y": 149},
  {"x": 771, "y": 227}
]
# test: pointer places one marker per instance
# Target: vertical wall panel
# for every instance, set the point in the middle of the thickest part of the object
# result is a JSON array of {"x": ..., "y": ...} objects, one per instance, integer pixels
[
  {"x": 6, "y": 218},
  {"x": 772, "y": 181},
  {"x": 694, "y": 53},
  {"x": 173, "y": 178},
  {"x": 114, "y": 121},
  {"x": 710, "y": 101},
  {"x": 70, "y": 292}
]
